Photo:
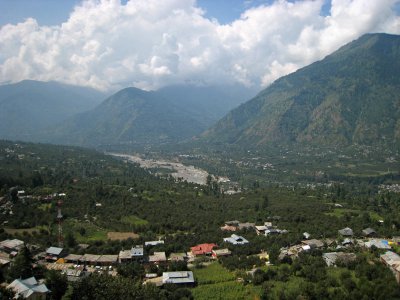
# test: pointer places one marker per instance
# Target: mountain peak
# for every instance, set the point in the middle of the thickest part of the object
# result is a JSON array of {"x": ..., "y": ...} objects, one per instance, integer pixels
[{"x": 351, "y": 96}]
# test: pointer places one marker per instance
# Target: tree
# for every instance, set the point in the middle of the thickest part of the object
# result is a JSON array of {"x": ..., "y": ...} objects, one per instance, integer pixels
[
  {"x": 22, "y": 265},
  {"x": 6, "y": 294},
  {"x": 56, "y": 283},
  {"x": 265, "y": 202},
  {"x": 70, "y": 240}
]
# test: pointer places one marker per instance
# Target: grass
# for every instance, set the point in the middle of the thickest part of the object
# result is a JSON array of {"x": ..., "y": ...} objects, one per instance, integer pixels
[
  {"x": 13, "y": 231},
  {"x": 92, "y": 231},
  {"x": 374, "y": 216},
  {"x": 45, "y": 206},
  {"x": 215, "y": 282},
  {"x": 133, "y": 220},
  {"x": 340, "y": 212},
  {"x": 226, "y": 290},
  {"x": 213, "y": 273}
]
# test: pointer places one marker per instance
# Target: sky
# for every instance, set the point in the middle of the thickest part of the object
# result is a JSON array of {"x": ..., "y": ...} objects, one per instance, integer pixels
[{"x": 112, "y": 44}]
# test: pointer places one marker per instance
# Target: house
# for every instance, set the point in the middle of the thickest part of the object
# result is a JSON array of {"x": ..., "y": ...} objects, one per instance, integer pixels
[
  {"x": 11, "y": 245},
  {"x": 217, "y": 253},
  {"x": 346, "y": 232},
  {"x": 347, "y": 242},
  {"x": 157, "y": 258},
  {"x": 232, "y": 223},
  {"x": 332, "y": 258},
  {"x": 28, "y": 289},
  {"x": 154, "y": 243},
  {"x": 181, "y": 278},
  {"x": 392, "y": 260},
  {"x": 228, "y": 228},
  {"x": 89, "y": 259},
  {"x": 202, "y": 249},
  {"x": 73, "y": 258},
  {"x": 272, "y": 231},
  {"x": 246, "y": 225},
  {"x": 178, "y": 257},
  {"x": 380, "y": 244},
  {"x": 260, "y": 230},
  {"x": 157, "y": 281},
  {"x": 314, "y": 244},
  {"x": 369, "y": 232},
  {"x": 137, "y": 252},
  {"x": 74, "y": 275},
  {"x": 125, "y": 256},
  {"x": 268, "y": 225},
  {"x": 107, "y": 260},
  {"x": 236, "y": 240},
  {"x": 54, "y": 253}
]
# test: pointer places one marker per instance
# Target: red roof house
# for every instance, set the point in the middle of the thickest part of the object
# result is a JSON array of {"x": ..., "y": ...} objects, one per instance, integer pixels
[{"x": 203, "y": 249}]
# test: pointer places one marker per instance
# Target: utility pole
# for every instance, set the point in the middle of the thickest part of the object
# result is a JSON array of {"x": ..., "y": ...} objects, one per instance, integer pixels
[{"x": 60, "y": 219}]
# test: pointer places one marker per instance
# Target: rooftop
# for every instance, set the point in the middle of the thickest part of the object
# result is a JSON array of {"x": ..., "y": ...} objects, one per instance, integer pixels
[
  {"x": 236, "y": 240},
  {"x": 27, "y": 287},
  {"x": 11, "y": 244},
  {"x": 108, "y": 259},
  {"x": 157, "y": 257},
  {"x": 183, "y": 277},
  {"x": 54, "y": 251},
  {"x": 153, "y": 243},
  {"x": 137, "y": 250}
]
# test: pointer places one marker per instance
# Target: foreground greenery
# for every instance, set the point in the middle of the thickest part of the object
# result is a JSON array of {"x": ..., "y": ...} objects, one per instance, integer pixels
[{"x": 184, "y": 214}]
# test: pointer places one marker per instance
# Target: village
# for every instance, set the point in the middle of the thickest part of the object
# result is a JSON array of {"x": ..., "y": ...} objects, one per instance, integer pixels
[
  {"x": 118, "y": 222},
  {"x": 341, "y": 249}
]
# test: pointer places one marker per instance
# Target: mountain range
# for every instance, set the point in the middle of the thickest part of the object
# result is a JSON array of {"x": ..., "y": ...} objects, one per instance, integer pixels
[
  {"x": 351, "y": 96},
  {"x": 30, "y": 106},
  {"x": 63, "y": 114}
]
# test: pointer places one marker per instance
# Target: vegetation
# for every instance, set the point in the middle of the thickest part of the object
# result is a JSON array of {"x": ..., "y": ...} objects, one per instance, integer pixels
[
  {"x": 183, "y": 215},
  {"x": 348, "y": 97}
]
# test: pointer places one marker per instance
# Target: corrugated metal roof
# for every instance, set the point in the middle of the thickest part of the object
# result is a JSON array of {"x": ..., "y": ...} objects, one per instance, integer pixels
[
  {"x": 178, "y": 277},
  {"x": 54, "y": 250},
  {"x": 27, "y": 287},
  {"x": 137, "y": 251},
  {"x": 108, "y": 258},
  {"x": 11, "y": 244}
]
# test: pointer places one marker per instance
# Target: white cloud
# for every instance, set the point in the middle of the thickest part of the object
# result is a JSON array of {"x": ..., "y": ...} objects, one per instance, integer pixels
[{"x": 152, "y": 43}]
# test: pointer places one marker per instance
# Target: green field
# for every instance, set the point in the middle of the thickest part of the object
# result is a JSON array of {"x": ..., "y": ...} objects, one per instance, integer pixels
[
  {"x": 215, "y": 282},
  {"x": 341, "y": 212},
  {"x": 92, "y": 232},
  {"x": 133, "y": 220}
]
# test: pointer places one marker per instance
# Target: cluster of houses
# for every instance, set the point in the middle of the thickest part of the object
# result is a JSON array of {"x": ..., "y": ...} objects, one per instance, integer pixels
[
  {"x": 370, "y": 241},
  {"x": 75, "y": 265},
  {"x": 267, "y": 229}
]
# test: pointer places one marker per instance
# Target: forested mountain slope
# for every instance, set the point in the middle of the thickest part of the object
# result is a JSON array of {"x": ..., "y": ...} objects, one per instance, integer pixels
[{"x": 351, "y": 96}]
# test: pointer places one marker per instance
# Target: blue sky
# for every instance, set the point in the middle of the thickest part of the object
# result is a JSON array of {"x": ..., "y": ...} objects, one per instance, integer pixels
[{"x": 54, "y": 12}]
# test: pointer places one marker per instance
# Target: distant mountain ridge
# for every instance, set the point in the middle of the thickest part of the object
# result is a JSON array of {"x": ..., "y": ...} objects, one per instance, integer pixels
[
  {"x": 64, "y": 114},
  {"x": 351, "y": 96},
  {"x": 134, "y": 116},
  {"x": 30, "y": 106}
]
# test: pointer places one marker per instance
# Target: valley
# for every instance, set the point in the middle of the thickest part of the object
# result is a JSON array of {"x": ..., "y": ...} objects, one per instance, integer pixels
[
  {"x": 162, "y": 167},
  {"x": 192, "y": 192}
]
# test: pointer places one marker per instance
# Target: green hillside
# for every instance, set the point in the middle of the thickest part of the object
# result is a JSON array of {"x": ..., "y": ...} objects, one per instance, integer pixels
[
  {"x": 351, "y": 96},
  {"x": 129, "y": 116},
  {"x": 29, "y": 106}
]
